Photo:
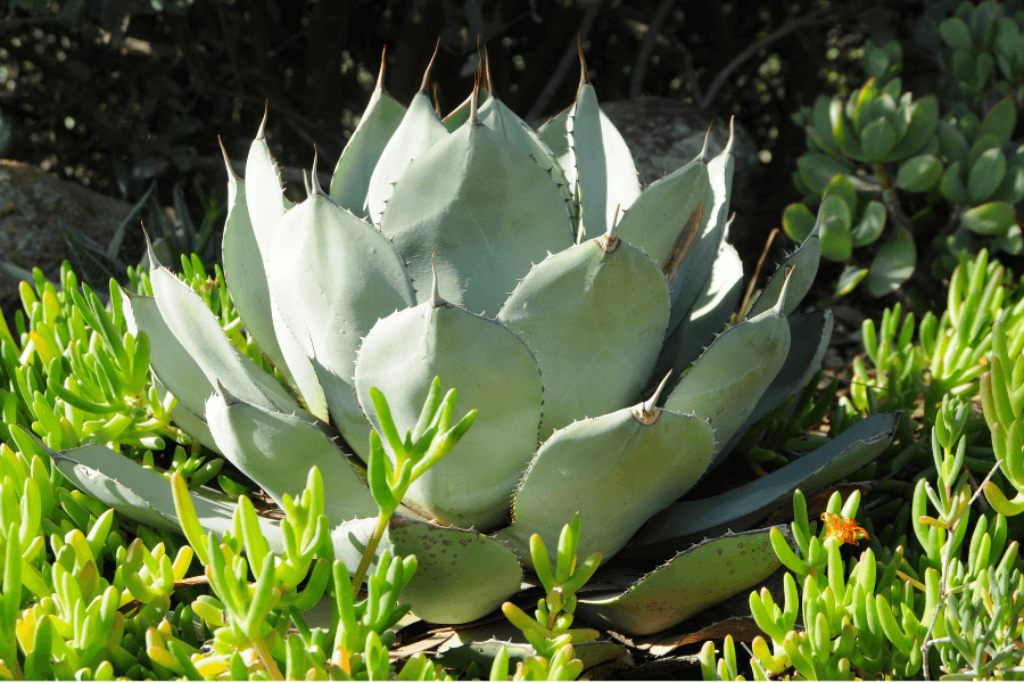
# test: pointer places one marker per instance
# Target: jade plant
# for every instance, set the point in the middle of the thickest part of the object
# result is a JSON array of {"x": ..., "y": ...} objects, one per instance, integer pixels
[
  {"x": 568, "y": 307},
  {"x": 886, "y": 163}
]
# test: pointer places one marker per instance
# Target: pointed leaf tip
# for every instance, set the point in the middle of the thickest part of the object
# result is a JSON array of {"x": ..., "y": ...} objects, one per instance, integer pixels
[
  {"x": 584, "y": 76},
  {"x": 227, "y": 396},
  {"x": 732, "y": 136},
  {"x": 227, "y": 159},
  {"x": 315, "y": 179},
  {"x": 609, "y": 242},
  {"x": 780, "y": 305},
  {"x": 474, "y": 102},
  {"x": 488, "y": 81},
  {"x": 649, "y": 412},
  {"x": 425, "y": 87},
  {"x": 703, "y": 156},
  {"x": 154, "y": 263},
  {"x": 435, "y": 294},
  {"x": 383, "y": 65},
  {"x": 263, "y": 124}
]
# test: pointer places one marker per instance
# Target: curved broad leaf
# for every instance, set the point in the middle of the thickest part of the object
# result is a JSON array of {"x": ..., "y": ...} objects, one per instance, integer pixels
[
  {"x": 726, "y": 382},
  {"x": 712, "y": 310},
  {"x": 739, "y": 508},
  {"x": 555, "y": 134},
  {"x": 595, "y": 316},
  {"x": 201, "y": 336},
  {"x": 689, "y": 583},
  {"x": 606, "y": 179},
  {"x": 810, "y": 334},
  {"x": 277, "y": 451},
  {"x": 462, "y": 575},
  {"x": 482, "y": 210},
  {"x": 380, "y": 120},
  {"x": 615, "y": 470},
  {"x": 143, "y": 495},
  {"x": 333, "y": 277},
  {"x": 893, "y": 264},
  {"x": 804, "y": 260},
  {"x": 493, "y": 372},
  {"x": 419, "y": 130},
  {"x": 246, "y": 276}
]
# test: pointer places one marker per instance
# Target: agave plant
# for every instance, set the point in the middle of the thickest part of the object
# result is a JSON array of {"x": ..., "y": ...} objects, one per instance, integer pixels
[{"x": 529, "y": 271}]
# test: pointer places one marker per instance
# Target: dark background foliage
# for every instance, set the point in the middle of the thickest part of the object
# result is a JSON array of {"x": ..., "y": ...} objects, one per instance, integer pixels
[{"x": 119, "y": 93}]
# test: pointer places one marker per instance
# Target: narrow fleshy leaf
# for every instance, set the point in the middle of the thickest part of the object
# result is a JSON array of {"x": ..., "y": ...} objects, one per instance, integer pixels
[
  {"x": 615, "y": 470},
  {"x": 483, "y": 209},
  {"x": 726, "y": 382},
  {"x": 689, "y": 583},
  {"x": 419, "y": 130},
  {"x": 380, "y": 120},
  {"x": 746, "y": 505},
  {"x": 333, "y": 276},
  {"x": 606, "y": 177},
  {"x": 277, "y": 451},
  {"x": 401, "y": 356},
  {"x": 591, "y": 287}
]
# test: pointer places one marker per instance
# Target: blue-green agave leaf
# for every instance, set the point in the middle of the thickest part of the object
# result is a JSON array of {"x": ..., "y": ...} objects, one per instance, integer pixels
[
  {"x": 595, "y": 340},
  {"x": 616, "y": 470},
  {"x": 333, "y": 276},
  {"x": 419, "y": 130},
  {"x": 728, "y": 379},
  {"x": 748, "y": 504},
  {"x": 709, "y": 315},
  {"x": 493, "y": 372},
  {"x": 606, "y": 180},
  {"x": 689, "y": 583},
  {"x": 482, "y": 210},
  {"x": 380, "y": 120},
  {"x": 277, "y": 451},
  {"x": 804, "y": 260}
]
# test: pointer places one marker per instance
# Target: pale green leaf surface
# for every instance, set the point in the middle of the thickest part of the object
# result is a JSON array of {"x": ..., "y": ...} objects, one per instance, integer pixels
[
  {"x": 804, "y": 260},
  {"x": 472, "y": 485},
  {"x": 605, "y": 173},
  {"x": 596, "y": 322},
  {"x": 689, "y": 583},
  {"x": 419, "y": 130},
  {"x": 747, "y": 504},
  {"x": 333, "y": 276},
  {"x": 277, "y": 451},
  {"x": 484, "y": 210},
  {"x": 615, "y": 471}
]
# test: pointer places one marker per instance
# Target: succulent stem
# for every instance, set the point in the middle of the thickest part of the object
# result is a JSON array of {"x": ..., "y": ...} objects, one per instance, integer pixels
[{"x": 370, "y": 551}]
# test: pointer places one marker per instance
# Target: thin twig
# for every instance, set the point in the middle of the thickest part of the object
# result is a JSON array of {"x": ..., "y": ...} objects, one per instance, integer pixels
[
  {"x": 757, "y": 273},
  {"x": 720, "y": 78},
  {"x": 643, "y": 57},
  {"x": 564, "y": 64}
]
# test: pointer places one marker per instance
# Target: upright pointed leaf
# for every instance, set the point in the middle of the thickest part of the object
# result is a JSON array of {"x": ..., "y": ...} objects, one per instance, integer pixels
[
  {"x": 333, "y": 276},
  {"x": 483, "y": 209},
  {"x": 605, "y": 173},
  {"x": 379, "y": 121}
]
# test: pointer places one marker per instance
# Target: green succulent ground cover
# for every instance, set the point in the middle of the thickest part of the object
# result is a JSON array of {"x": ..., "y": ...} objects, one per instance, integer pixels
[{"x": 181, "y": 572}]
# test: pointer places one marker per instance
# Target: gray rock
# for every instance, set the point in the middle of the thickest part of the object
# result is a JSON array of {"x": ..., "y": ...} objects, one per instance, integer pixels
[
  {"x": 665, "y": 134},
  {"x": 31, "y": 203}
]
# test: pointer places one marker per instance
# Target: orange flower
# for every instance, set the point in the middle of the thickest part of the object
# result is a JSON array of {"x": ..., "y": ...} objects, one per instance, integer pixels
[{"x": 846, "y": 530}]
